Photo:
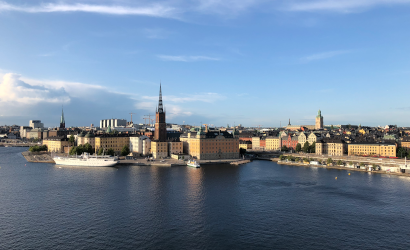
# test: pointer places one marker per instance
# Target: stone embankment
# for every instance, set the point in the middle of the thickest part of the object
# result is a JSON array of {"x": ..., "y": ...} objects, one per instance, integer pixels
[
  {"x": 240, "y": 162},
  {"x": 341, "y": 167},
  {"x": 37, "y": 157}
]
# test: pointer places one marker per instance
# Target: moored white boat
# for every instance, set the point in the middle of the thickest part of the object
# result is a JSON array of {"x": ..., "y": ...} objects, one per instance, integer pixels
[
  {"x": 86, "y": 160},
  {"x": 193, "y": 164}
]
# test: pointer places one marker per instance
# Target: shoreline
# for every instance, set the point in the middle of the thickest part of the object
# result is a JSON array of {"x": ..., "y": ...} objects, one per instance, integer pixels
[{"x": 341, "y": 168}]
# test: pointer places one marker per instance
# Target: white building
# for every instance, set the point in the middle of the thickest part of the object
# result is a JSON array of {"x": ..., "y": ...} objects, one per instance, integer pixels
[
  {"x": 24, "y": 130},
  {"x": 113, "y": 123},
  {"x": 36, "y": 124},
  {"x": 140, "y": 144}
]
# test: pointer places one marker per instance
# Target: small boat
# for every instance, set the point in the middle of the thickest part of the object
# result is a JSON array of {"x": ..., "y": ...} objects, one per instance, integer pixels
[{"x": 194, "y": 164}]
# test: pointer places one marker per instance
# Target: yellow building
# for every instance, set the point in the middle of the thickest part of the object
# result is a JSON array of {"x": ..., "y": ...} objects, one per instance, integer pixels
[
  {"x": 107, "y": 141},
  {"x": 331, "y": 147},
  {"x": 245, "y": 145},
  {"x": 405, "y": 144},
  {"x": 273, "y": 143},
  {"x": 159, "y": 149},
  {"x": 56, "y": 144},
  {"x": 211, "y": 145},
  {"x": 83, "y": 138},
  {"x": 378, "y": 149}
]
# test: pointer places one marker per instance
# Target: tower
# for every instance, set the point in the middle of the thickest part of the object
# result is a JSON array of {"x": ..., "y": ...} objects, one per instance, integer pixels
[
  {"x": 62, "y": 121},
  {"x": 160, "y": 124},
  {"x": 319, "y": 120}
]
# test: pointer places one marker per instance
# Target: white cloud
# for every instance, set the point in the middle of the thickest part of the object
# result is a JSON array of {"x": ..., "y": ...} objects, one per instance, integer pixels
[
  {"x": 323, "y": 55},
  {"x": 154, "y": 10},
  {"x": 187, "y": 58},
  {"x": 14, "y": 90},
  {"x": 339, "y": 5}
]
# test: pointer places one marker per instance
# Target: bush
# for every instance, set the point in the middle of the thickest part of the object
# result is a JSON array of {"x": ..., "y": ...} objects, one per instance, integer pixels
[
  {"x": 282, "y": 157},
  {"x": 111, "y": 152},
  {"x": 339, "y": 162},
  {"x": 329, "y": 160},
  {"x": 37, "y": 148},
  {"x": 284, "y": 148}
]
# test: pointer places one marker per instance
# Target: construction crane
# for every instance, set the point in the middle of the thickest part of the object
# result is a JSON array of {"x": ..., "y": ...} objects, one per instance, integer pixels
[
  {"x": 149, "y": 118},
  {"x": 153, "y": 120},
  {"x": 145, "y": 118},
  {"x": 259, "y": 126},
  {"x": 131, "y": 115}
]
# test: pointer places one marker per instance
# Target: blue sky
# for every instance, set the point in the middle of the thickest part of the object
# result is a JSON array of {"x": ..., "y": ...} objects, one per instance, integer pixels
[{"x": 254, "y": 62}]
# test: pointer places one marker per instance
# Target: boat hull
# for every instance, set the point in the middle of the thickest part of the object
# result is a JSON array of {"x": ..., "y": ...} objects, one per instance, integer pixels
[
  {"x": 193, "y": 165},
  {"x": 83, "y": 162}
]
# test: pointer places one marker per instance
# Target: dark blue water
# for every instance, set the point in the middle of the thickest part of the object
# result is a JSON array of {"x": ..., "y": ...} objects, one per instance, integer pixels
[{"x": 260, "y": 205}]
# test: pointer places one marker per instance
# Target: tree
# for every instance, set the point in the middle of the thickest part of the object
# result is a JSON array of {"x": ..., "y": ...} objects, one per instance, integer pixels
[
  {"x": 361, "y": 164},
  {"x": 289, "y": 158},
  {"x": 401, "y": 152},
  {"x": 306, "y": 147},
  {"x": 331, "y": 127},
  {"x": 374, "y": 166},
  {"x": 349, "y": 126},
  {"x": 88, "y": 148},
  {"x": 312, "y": 148},
  {"x": 111, "y": 152},
  {"x": 125, "y": 150},
  {"x": 339, "y": 162},
  {"x": 242, "y": 151},
  {"x": 329, "y": 160},
  {"x": 281, "y": 157},
  {"x": 284, "y": 148},
  {"x": 71, "y": 140},
  {"x": 100, "y": 151},
  {"x": 298, "y": 147}
]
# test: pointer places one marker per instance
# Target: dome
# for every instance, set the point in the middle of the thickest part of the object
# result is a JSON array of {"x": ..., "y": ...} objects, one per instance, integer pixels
[
  {"x": 81, "y": 134},
  {"x": 89, "y": 135}
]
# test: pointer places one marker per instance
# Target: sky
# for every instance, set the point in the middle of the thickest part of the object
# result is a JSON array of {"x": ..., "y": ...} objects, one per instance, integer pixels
[{"x": 249, "y": 62}]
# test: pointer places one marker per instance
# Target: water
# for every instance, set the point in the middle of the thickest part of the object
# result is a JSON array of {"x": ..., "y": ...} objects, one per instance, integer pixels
[{"x": 260, "y": 205}]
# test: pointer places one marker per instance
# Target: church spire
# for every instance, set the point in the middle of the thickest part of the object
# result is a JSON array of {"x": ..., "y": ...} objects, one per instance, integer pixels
[
  {"x": 160, "y": 106},
  {"x": 62, "y": 120}
]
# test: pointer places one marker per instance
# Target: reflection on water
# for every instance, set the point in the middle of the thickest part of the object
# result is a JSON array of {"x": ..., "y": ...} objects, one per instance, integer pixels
[{"x": 257, "y": 205}]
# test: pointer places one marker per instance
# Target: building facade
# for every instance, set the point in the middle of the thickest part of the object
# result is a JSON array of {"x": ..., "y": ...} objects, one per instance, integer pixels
[
  {"x": 273, "y": 143},
  {"x": 56, "y": 144},
  {"x": 36, "y": 124},
  {"x": 211, "y": 145},
  {"x": 331, "y": 147},
  {"x": 140, "y": 144},
  {"x": 107, "y": 141},
  {"x": 376, "y": 149},
  {"x": 113, "y": 123}
]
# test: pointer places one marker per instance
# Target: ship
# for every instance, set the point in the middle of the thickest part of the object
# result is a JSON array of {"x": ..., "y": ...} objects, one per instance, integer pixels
[
  {"x": 194, "y": 164},
  {"x": 87, "y": 160}
]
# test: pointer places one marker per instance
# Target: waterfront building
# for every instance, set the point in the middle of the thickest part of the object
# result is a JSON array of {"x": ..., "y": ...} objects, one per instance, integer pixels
[
  {"x": 24, "y": 130},
  {"x": 210, "y": 145},
  {"x": 36, "y": 133},
  {"x": 273, "y": 143},
  {"x": 405, "y": 143},
  {"x": 56, "y": 144},
  {"x": 372, "y": 148},
  {"x": 290, "y": 142},
  {"x": 113, "y": 123},
  {"x": 333, "y": 147},
  {"x": 319, "y": 120},
  {"x": 258, "y": 142},
  {"x": 140, "y": 144},
  {"x": 86, "y": 138},
  {"x": 175, "y": 147},
  {"x": 159, "y": 146},
  {"x": 116, "y": 142}
]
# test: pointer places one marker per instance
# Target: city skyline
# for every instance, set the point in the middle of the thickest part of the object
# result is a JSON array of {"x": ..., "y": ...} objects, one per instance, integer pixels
[{"x": 251, "y": 63}]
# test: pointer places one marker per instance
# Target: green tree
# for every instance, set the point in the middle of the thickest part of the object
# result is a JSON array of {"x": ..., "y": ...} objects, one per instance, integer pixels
[
  {"x": 306, "y": 147},
  {"x": 339, "y": 162},
  {"x": 361, "y": 164},
  {"x": 349, "y": 126},
  {"x": 284, "y": 148},
  {"x": 289, "y": 158},
  {"x": 281, "y": 157},
  {"x": 329, "y": 161},
  {"x": 71, "y": 140},
  {"x": 125, "y": 150},
  {"x": 298, "y": 147},
  {"x": 100, "y": 151},
  {"x": 312, "y": 148},
  {"x": 88, "y": 148},
  {"x": 374, "y": 166},
  {"x": 111, "y": 152},
  {"x": 331, "y": 127},
  {"x": 401, "y": 152}
]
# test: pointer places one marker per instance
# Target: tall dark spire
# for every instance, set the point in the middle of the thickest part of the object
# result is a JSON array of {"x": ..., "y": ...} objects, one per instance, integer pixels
[{"x": 160, "y": 107}]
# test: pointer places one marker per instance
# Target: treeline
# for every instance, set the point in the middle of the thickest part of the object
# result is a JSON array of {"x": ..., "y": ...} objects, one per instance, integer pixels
[{"x": 38, "y": 148}]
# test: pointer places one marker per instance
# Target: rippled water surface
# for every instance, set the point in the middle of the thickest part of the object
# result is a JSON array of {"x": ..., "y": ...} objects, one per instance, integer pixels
[{"x": 260, "y": 205}]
